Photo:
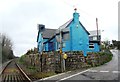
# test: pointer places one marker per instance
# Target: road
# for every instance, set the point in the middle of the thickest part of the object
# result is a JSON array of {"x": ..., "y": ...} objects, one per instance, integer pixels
[{"x": 108, "y": 71}]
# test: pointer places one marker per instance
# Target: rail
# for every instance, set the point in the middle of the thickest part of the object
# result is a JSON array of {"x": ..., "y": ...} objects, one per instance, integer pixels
[{"x": 12, "y": 72}]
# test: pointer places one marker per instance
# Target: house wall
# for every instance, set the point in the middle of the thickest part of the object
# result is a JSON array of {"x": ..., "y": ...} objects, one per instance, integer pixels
[
  {"x": 40, "y": 41},
  {"x": 45, "y": 45},
  {"x": 66, "y": 45},
  {"x": 51, "y": 45},
  {"x": 65, "y": 41},
  {"x": 40, "y": 44},
  {"x": 79, "y": 39},
  {"x": 95, "y": 49}
]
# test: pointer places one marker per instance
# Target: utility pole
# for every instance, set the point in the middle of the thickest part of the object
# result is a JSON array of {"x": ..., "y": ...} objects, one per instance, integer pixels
[
  {"x": 41, "y": 28},
  {"x": 97, "y": 28},
  {"x": 41, "y": 51},
  {"x": 61, "y": 58}
]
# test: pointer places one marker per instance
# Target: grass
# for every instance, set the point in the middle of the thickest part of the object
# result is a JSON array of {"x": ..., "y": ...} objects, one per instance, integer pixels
[{"x": 43, "y": 74}]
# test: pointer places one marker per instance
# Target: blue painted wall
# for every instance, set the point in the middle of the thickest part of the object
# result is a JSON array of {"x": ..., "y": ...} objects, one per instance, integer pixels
[
  {"x": 95, "y": 49},
  {"x": 51, "y": 45},
  {"x": 40, "y": 41},
  {"x": 45, "y": 45},
  {"x": 66, "y": 46},
  {"x": 79, "y": 39}
]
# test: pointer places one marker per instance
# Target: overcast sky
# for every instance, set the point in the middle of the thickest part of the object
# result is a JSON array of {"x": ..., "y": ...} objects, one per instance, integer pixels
[{"x": 19, "y": 18}]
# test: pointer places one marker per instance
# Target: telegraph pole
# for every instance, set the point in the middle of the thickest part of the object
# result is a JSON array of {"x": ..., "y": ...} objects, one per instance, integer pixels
[
  {"x": 41, "y": 51},
  {"x": 97, "y": 28},
  {"x": 41, "y": 28},
  {"x": 61, "y": 59}
]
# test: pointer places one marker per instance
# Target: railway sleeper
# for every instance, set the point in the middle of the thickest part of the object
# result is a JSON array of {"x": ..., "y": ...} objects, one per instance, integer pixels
[{"x": 20, "y": 78}]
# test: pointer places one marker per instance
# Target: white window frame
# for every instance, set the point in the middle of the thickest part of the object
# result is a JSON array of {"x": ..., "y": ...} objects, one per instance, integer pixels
[{"x": 95, "y": 38}]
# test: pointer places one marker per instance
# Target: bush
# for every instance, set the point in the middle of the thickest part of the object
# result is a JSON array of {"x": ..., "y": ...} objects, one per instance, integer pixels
[
  {"x": 22, "y": 59},
  {"x": 99, "y": 58}
]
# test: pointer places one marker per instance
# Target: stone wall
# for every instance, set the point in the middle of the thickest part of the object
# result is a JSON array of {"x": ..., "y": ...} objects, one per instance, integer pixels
[{"x": 75, "y": 60}]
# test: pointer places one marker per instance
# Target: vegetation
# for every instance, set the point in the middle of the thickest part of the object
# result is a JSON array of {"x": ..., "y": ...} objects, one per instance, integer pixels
[
  {"x": 116, "y": 44},
  {"x": 22, "y": 59},
  {"x": 32, "y": 64},
  {"x": 43, "y": 74},
  {"x": 29, "y": 62},
  {"x": 6, "y": 51},
  {"x": 32, "y": 51},
  {"x": 99, "y": 58}
]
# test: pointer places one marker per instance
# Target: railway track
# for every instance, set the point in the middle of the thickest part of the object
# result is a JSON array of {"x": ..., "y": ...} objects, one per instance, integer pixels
[{"x": 13, "y": 73}]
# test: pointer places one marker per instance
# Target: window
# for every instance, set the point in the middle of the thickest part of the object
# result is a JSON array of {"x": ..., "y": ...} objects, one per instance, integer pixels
[
  {"x": 65, "y": 36},
  {"x": 95, "y": 38},
  {"x": 58, "y": 38},
  {"x": 91, "y": 45},
  {"x": 63, "y": 45},
  {"x": 58, "y": 45}
]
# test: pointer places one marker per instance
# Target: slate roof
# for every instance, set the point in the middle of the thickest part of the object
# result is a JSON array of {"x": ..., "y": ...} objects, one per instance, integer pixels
[
  {"x": 66, "y": 24},
  {"x": 69, "y": 22},
  {"x": 48, "y": 33},
  {"x": 94, "y": 33}
]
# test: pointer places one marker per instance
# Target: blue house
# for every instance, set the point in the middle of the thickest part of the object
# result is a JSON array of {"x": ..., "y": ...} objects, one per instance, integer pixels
[
  {"x": 94, "y": 41},
  {"x": 43, "y": 37},
  {"x": 74, "y": 37}
]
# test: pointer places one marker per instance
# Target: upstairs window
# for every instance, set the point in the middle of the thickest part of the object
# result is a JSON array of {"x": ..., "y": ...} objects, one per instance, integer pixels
[
  {"x": 95, "y": 38},
  {"x": 66, "y": 36}
]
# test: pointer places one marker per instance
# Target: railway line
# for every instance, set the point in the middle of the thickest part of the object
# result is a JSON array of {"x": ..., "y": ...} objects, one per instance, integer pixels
[{"x": 13, "y": 73}]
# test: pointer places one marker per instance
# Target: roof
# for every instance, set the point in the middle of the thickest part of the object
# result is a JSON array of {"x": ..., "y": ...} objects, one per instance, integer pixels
[
  {"x": 49, "y": 39},
  {"x": 69, "y": 22},
  {"x": 94, "y": 33},
  {"x": 66, "y": 24},
  {"x": 48, "y": 33}
]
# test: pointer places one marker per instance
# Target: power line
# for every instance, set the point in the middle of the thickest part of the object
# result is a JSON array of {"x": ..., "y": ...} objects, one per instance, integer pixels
[{"x": 73, "y": 6}]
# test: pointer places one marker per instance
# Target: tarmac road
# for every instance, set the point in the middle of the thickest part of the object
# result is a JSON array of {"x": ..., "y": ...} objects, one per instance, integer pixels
[{"x": 108, "y": 71}]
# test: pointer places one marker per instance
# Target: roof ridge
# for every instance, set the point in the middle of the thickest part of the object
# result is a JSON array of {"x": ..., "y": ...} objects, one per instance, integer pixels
[
  {"x": 66, "y": 22},
  {"x": 50, "y": 29}
]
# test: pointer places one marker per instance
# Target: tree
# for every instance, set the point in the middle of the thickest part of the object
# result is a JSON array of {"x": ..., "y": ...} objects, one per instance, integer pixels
[
  {"x": 32, "y": 51},
  {"x": 116, "y": 44},
  {"x": 6, "y": 48}
]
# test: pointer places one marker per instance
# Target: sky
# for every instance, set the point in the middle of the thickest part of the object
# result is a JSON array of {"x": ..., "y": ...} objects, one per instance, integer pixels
[{"x": 19, "y": 18}]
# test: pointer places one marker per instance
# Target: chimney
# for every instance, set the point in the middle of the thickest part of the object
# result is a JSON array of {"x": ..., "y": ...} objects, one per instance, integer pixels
[
  {"x": 41, "y": 27},
  {"x": 76, "y": 16}
]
